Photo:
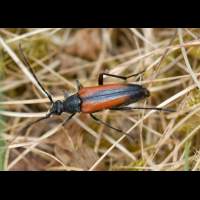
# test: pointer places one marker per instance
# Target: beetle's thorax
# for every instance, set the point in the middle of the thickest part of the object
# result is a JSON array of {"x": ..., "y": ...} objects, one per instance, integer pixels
[{"x": 72, "y": 104}]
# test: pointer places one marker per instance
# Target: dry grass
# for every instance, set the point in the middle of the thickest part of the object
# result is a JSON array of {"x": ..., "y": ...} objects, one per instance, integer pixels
[{"x": 162, "y": 141}]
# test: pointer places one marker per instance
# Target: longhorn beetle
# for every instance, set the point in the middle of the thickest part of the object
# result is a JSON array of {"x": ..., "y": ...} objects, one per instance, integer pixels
[{"x": 96, "y": 98}]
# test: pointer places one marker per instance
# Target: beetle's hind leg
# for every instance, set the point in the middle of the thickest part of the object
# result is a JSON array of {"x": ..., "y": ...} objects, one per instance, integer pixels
[
  {"x": 100, "y": 79},
  {"x": 126, "y": 108},
  {"x": 108, "y": 125}
]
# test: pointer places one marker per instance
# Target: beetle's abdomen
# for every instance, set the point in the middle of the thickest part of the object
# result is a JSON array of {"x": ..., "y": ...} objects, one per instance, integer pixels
[{"x": 108, "y": 96}]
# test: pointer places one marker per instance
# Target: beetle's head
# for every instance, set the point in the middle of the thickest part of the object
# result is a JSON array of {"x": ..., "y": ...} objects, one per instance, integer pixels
[{"x": 56, "y": 108}]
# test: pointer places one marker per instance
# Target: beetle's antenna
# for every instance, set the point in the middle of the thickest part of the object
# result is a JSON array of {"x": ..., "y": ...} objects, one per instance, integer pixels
[
  {"x": 38, "y": 120},
  {"x": 26, "y": 62}
]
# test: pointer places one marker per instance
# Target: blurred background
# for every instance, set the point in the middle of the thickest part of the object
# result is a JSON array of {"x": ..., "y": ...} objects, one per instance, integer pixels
[{"x": 161, "y": 140}]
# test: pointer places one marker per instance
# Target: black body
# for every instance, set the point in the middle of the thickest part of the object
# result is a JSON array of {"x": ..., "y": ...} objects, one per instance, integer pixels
[{"x": 72, "y": 104}]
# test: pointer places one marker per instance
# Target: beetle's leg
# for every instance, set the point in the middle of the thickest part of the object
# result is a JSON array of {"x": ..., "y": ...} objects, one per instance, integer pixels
[
  {"x": 100, "y": 79},
  {"x": 142, "y": 108},
  {"x": 108, "y": 125},
  {"x": 67, "y": 119},
  {"x": 78, "y": 84}
]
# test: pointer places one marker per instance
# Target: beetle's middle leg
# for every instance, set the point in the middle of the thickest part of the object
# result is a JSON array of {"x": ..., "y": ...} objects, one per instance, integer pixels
[{"x": 100, "y": 79}]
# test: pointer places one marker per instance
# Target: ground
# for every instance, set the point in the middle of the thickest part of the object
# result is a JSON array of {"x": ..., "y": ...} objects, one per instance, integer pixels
[{"x": 160, "y": 140}]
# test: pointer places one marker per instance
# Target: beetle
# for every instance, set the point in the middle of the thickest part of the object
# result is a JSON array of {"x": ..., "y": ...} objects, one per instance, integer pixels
[{"x": 96, "y": 98}]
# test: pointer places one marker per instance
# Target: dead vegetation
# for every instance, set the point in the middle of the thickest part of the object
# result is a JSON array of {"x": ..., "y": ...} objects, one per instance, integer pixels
[{"x": 162, "y": 141}]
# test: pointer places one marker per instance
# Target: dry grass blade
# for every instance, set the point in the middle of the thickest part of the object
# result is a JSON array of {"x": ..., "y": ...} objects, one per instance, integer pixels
[
  {"x": 29, "y": 34},
  {"x": 186, "y": 58},
  {"x": 20, "y": 64},
  {"x": 46, "y": 135}
]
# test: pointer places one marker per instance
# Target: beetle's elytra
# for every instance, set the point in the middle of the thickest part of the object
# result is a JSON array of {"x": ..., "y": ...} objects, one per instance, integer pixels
[{"x": 98, "y": 98}]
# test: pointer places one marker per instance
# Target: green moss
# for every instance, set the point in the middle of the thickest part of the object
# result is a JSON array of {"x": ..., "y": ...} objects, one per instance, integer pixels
[
  {"x": 194, "y": 97},
  {"x": 189, "y": 125},
  {"x": 38, "y": 48},
  {"x": 194, "y": 52},
  {"x": 138, "y": 163},
  {"x": 133, "y": 166}
]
